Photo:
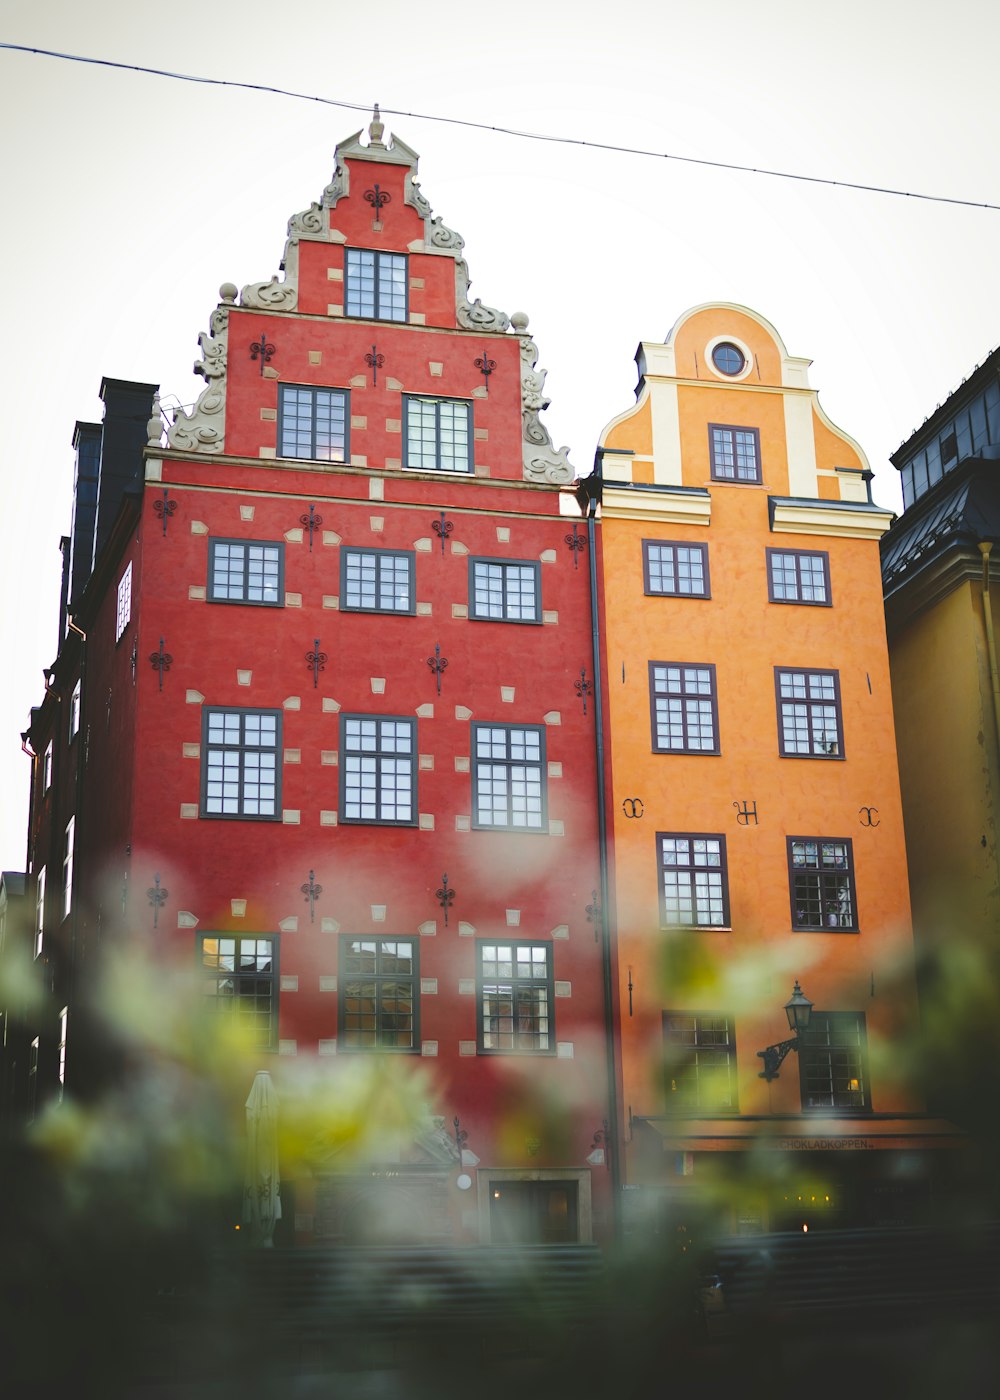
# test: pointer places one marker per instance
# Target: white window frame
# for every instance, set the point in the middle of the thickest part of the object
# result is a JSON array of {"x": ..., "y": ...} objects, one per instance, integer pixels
[
  {"x": 74, "y": 711},
  {"x": 63, "y": 1032},
  {"x": 68, "y": 866},
  {"x": 123, "y": 608},
  {"x": 40, "y": 912}
]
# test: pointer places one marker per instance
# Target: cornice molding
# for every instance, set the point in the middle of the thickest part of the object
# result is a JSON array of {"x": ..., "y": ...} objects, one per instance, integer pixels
[
  {"x": 689, "y": 506},
  {"x": 833, "y": 518}
]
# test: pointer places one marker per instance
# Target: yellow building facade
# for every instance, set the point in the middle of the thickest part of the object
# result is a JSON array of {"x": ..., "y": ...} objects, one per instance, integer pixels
[{"x": 755, "y": 808}]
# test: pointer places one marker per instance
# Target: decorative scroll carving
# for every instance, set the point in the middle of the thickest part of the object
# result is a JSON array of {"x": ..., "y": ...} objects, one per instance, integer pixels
[
  {"x": 541, "y": 460},
  {"x": 438, "y": 235},
  {"x": 474, "y": 316},
  {"x": 309, "y": 223},
  {"x": 339, "y": 185},
  {"x": 413, "y": 195},
  {"x": 204, "y": 428},
  {"x": 437, "y": 1141},
  {"x": 273, "y": 295}
]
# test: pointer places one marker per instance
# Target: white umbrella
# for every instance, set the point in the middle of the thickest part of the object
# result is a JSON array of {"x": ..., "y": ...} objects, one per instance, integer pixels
[{"x": 261, "y": 1201}]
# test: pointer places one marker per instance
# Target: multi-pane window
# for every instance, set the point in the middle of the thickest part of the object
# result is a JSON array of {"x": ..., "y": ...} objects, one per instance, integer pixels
[
  {"x": 239, "y": 766},
  {"x": 516, "y": 991},
  {"x": 734, "y": 453},
  {"x": 378, "y": 769},
  {"x": 798, "y": 576},
  {"x": 40, "y": 912},
  {"x": 809, "y": 718},
  {"x": 728, "y": 358},
  {"x": 683, "y": 708},
  {"x": 61, "y": 1063},
  {"x": 313, "y": 423},
  {"x": 376, "y": 580},
  {"x": 699, "y": 1061},
  {"x": 504, "y": 591},
  {"x": 68, "y": 846},
  {"x": 508, "y": 783},
  {"x": 74, "y": 711},
  {"x": 123, "y": 607},
  {"x": 437, "y": 434},
  {"x": 833, "y": 1061},
  {"x": 47, "y": 769},
  {"x": 240, "y": 975},
  {"x": 378, "y": 994},
  {"x": 676, "y": 569},
  {"x": 245, "y": 571},
  {"x": 821, "y": 883},
  {"x": 693, "y": 885},
  {"x": 375, "y": 284}
]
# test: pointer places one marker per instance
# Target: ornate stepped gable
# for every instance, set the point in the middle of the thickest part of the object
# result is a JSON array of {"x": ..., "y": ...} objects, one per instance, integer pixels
[{"x": 203, "y": 429}]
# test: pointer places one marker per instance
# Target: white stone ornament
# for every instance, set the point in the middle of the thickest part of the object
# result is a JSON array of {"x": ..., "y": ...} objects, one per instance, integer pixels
[
  {"x": 204, "y": 428},
  {"x": 541, "y": 460}
]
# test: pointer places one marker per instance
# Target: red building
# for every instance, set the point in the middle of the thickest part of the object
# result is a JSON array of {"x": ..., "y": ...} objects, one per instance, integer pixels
[{"x": 324, "y": 695}]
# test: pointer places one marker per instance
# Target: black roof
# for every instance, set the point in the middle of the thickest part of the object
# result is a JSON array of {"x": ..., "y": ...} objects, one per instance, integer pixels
[{"x": 960, "y": 509}]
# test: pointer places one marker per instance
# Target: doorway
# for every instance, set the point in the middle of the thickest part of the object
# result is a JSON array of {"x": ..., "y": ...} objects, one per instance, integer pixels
[{"x": 534, "y": 1212}]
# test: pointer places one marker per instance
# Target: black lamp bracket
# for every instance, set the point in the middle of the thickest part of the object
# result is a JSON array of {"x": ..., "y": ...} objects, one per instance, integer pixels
[{"x": 774, "y": 1057}]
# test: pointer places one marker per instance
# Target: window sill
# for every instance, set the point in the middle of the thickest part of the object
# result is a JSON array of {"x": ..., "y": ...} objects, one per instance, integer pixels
[
  {"x": 696, "y": 928},
  {"x": 815, "y": 757},
  {"x": 827, "y": 928},
  {"x": 509, "y": 621}
]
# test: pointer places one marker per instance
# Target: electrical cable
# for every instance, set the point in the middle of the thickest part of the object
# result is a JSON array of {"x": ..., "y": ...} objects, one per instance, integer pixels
[{"x": 507, "y": 130}]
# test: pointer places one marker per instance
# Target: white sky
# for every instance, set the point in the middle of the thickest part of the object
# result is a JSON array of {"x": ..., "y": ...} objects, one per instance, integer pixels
[{"x": 127, "y": 199}]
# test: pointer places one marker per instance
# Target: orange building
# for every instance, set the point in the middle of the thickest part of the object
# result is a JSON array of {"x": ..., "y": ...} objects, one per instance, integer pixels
[{"x": 756, "y": 821}]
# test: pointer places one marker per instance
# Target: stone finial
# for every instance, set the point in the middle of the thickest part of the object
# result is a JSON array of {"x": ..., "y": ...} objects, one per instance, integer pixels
[
  {"x": 229, "y": 292},
  {"x": 154, "y": 428},
  {"x": 376, "y": 129},
  {"x": 519, "y": 322}
]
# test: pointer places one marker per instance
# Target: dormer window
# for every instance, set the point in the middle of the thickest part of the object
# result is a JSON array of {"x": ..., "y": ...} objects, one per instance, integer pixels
[{"x": 375, "y": 284}]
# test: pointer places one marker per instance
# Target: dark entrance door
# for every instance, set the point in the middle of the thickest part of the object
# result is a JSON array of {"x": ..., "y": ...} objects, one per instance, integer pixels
[{"x": 533, "y": 1212}]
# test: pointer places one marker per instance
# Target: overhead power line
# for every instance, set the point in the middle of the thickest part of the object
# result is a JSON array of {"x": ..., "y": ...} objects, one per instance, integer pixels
[{"x": 505, "y": 130}]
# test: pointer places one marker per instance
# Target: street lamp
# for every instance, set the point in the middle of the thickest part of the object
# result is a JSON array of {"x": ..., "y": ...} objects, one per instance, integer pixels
[{"x": 798, "y": 1009}]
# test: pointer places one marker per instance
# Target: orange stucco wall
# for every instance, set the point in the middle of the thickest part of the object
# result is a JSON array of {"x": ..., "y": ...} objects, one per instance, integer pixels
[{"x": 747, "y": 970}]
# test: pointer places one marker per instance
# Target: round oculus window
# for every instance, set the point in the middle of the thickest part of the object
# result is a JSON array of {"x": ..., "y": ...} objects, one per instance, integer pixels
[{"x": 728, "y": 358}]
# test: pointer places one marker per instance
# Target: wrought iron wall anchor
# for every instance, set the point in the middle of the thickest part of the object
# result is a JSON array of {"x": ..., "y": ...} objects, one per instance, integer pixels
[
  {"x": 262, "y": 350},
  {"x": 593, "y": 912},
  {"x": 746, "y": 812},
  {"x": 311, "y": 892},
  {"x": 437, "y": 663},
  {"x": 583, "y": 688},
  {"x": 445, "y": 896},
  {"x": 485, "y": 366},
  {"x": 164, "y": 509},
  {"x": 160, "y": 661},
  {"x": 633, "y": 807},
  {"x": 631, "y": 984},
  {"x": 374, "y": 360},
  {"x": 157, "y": 898},
  {"x": 442, "y": 528},
  {"x": 575, "y": 542},
  {"x": 378, "y": 199},
  {"x": 316, "y": 660},
  {"x": 868, "y": 816},
  {"x": 461, "y": 1137},
  {"x": 311, "y": 521}
]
